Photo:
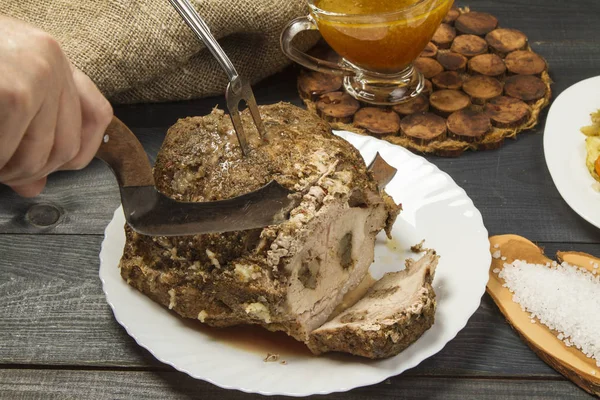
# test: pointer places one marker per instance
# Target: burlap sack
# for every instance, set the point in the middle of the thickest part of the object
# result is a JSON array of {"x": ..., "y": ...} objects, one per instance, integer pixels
[{"x": 141, "y": 50}]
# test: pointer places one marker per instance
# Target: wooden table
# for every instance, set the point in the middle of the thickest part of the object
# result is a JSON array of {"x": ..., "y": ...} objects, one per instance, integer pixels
[{"x": 58, "y": 337}]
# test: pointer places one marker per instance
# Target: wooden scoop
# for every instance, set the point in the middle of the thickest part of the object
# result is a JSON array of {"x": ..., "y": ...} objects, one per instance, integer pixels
[{"x": 569, "y": 361}]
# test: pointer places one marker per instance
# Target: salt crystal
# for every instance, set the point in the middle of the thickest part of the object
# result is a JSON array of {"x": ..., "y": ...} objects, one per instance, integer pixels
[
  {"x": 496, "y": 254},
  {"x": 496, "y": 245},
  {"x": 503, "y": 258},
  {"x": 496, "y": 270},
  {"x": 560, "y": 298}
]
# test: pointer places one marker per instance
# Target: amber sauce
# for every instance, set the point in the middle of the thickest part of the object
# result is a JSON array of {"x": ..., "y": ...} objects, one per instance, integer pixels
[
  {"x": 393, "y": 244},
  {"x": 382, "y": 44},
  {"x": 254, "y": 339},
  {"x": 258, "y": 340}
]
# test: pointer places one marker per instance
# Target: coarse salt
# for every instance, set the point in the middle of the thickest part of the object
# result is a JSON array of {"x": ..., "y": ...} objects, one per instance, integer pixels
[
  {"x": 503, "y": 258},
  {"x": 496, "y": 245},
  {"x": 496, "y": 254},
  {"x": 564, "y": 298}
]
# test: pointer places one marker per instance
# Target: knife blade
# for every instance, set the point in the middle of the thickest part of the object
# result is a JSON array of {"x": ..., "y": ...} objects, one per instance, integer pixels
[{"x": 150, "y": 212}]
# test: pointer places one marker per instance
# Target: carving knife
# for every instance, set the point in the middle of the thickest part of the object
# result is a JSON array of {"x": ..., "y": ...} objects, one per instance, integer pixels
[{"x": 150, "y": 212}]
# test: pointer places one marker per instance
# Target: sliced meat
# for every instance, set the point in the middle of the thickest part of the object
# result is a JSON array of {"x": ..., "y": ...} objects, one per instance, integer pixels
[
  {"x": 288, "y": 277},
  {"x": 394, "y": 313}
]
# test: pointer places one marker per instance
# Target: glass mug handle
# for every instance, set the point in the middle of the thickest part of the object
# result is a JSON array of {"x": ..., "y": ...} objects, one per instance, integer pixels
[{"x": 307, "y": 23}]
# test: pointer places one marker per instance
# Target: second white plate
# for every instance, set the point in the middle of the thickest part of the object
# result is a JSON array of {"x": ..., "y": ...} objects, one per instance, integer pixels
[
  {"x": 434, "y": 208},
  {"x": 564, "y": 147}
]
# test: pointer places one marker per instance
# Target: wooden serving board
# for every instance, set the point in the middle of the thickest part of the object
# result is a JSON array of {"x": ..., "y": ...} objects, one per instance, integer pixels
[
  {"x": 483, "y": 84},
  {"x": 569, "y": 361}
]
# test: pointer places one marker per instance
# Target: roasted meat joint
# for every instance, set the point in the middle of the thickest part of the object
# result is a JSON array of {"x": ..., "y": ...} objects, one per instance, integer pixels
[{"x": 289, "y": 277}]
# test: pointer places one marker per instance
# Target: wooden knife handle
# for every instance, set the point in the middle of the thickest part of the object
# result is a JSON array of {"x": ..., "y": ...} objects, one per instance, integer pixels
[{"x": 123, "y": 152}]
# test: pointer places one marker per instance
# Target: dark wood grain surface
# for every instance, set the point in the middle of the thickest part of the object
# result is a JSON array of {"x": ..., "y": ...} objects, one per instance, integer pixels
[{"x": 59, "y": 339}]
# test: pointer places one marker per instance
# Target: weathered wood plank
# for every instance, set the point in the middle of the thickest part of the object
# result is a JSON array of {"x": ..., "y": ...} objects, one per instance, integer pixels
[
  {"x": 53, "y": 312},
  {"x": 515, "y": 194},
  {"x": 67, "y": 384}
]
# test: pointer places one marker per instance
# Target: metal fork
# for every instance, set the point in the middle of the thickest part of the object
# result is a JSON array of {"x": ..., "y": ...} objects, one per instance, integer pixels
[{"x": 237, "y": 89}]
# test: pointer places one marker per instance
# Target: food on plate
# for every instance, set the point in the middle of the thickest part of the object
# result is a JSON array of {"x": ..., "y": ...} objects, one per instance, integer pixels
[
  {"x": 594, "y": 128},
  {"x": 288, "y": 277},
  {"x": 592, "y": 145},
  {"x": 394, "y": 313},
  {"x": 592, "y": 159}
]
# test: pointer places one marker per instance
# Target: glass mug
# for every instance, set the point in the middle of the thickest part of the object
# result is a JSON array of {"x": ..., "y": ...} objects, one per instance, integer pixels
[{"x": 378, "y": 41}]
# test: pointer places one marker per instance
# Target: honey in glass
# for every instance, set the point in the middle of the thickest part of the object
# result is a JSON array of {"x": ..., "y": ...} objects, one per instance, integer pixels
[{"x": 383, "y": 36}]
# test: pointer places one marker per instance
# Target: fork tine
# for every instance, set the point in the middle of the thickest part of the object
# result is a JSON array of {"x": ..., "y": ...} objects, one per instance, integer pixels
[
  {"x": 251, "y": 102},
  {"x": 233, "y": 99}
]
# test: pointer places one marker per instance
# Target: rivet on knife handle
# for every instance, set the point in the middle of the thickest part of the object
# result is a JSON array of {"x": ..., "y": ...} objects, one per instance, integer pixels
[{"x": 122, "y": 151}]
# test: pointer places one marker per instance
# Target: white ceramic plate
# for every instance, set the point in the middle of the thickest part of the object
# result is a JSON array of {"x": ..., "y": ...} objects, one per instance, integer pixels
[
  {"x": 564, "y": 147},
  {"x": 434, "y": 208}
]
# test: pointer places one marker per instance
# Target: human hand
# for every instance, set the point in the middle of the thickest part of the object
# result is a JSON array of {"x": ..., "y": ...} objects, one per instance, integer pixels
[{"x": 52, "y": 116}]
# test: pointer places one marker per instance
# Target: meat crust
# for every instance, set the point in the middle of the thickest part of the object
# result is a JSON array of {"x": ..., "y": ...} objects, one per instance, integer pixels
[{"x": 288, "y": 277}]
